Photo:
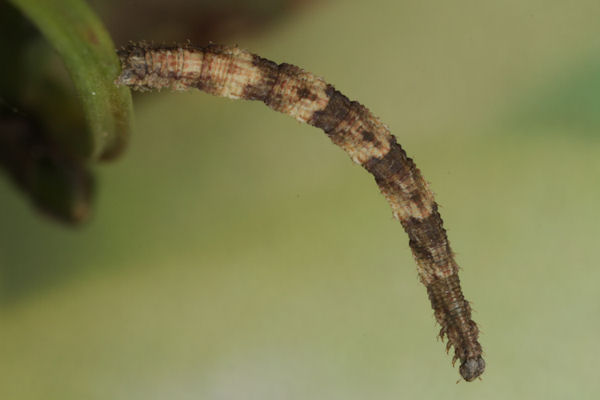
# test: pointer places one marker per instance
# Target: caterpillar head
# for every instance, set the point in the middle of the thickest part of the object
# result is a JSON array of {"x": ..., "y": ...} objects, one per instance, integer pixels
[
  {"x": 472, "y": 368},
  {"x": 134, "y": 67}
]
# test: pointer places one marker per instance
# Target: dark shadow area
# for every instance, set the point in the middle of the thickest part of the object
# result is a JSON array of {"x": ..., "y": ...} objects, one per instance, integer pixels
[{"x": 200, "y": 21}]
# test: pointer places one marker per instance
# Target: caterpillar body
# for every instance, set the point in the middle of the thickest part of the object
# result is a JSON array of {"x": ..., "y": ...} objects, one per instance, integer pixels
[{"x": 235, "y": 73}]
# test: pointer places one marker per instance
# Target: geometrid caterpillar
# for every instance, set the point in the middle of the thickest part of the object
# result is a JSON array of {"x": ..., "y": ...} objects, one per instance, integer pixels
[{"x": 235, "y": 73}]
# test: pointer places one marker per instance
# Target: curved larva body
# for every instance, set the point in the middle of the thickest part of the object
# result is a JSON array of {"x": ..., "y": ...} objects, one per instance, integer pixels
[{"x": 235, "y": 73}]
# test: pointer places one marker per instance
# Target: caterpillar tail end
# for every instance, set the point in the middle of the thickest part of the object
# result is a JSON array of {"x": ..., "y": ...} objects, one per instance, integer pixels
[{"x": 472, "y": 368}]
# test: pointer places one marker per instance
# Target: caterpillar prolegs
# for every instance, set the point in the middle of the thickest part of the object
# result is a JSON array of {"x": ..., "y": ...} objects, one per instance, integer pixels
[{"x": 235, "y": 73}]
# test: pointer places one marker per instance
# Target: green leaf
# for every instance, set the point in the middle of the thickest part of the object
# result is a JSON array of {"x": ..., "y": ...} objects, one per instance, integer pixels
[{"x": 89, "y": 56}]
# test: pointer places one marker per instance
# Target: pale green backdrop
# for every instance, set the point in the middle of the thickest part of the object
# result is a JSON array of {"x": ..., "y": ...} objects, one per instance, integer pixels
[{"x": 237, "y": 254}]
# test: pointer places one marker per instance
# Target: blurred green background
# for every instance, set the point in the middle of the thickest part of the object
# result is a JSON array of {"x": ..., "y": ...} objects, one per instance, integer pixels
[{"x": 237, "y": 254}]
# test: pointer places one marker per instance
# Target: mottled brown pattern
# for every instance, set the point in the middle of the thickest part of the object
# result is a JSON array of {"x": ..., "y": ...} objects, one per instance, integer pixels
[
  {"x": 235, "y": 73},
  {"x": 403, "y": 186},
  {"x": 269, "y": 72}
]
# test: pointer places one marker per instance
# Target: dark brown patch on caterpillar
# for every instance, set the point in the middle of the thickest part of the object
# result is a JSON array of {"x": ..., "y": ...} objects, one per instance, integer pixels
[
  {"x": 393, "y": 166},
  {"x": 306, "y": 93},
  {"x": 335, "y": 112},
  {"x": 290, "y": 70},
  {"x": 368, "y": 136}
]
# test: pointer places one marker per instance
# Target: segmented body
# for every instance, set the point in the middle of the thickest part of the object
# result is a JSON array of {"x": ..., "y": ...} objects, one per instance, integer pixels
[{"x": 235, "y": 73}]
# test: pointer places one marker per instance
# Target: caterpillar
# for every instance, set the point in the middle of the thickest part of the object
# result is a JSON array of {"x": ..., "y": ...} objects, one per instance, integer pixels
[{"x": 238, "y": 74}]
